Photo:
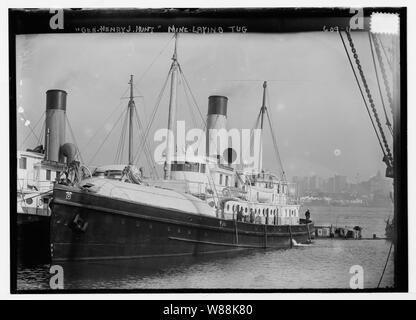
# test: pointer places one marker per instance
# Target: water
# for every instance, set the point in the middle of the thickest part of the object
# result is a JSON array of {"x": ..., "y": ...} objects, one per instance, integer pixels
[{"x": 325, "y": 264}]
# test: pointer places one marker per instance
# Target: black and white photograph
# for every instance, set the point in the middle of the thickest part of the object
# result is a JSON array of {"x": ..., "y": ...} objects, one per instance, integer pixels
[{"x": 208, "y": 150}]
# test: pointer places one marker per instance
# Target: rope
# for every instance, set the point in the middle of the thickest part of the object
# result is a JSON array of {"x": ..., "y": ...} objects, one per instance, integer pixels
[
  {"x": 276, "y": 149},
  {"x": 120, "y": 146},
  {"x": 105, "y": 139},
  {"x": 149, "y": 125},
  {"x": 388, "y": 123},
  {"x": 192, "y": 95},
  {"x": 147, "y": 148},
  {"x": 383, "y": 73},
  {"x": 389, "y": 159},
  {"x": 108, "y": 118},
  {"x": 362, "y": 94},
  {"x": 30, "y": 132},
  {"x": 73, "y": 137},
  {"x": 194, "y": 122},
  {"x": 154, "y": 60},
  {"x": 255, "y": 126},
  {"x": 385, "y": 265},
  {"x": 385, "y": 54}
]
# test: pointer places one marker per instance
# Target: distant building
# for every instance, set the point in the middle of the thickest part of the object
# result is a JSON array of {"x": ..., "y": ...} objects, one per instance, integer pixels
[{"x": 340, "y": 184}]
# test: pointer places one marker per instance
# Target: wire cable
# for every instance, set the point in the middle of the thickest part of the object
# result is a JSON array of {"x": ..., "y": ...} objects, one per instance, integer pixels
[
  {"x": 388, "y": 123},
  {"x": 385, "y": 265},
  {"x": 362, "y": 94},
  {"x": 107, "y": 136}
]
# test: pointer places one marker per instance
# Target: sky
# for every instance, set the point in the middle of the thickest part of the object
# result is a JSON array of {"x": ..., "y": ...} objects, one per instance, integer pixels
[{"x": 320, "y": 121}]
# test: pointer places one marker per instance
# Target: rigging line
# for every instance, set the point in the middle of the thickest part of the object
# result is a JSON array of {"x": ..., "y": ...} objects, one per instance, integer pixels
[
  {"x": 149, "y": 162},
  {"x": 154, "y": 60},
  {"x": 146, "y": 132},
  {"x": 120, "y": 144},
  {"x": 142, "y": 99},
  {"x": 385, "y": 53},
  {"x": 123, "y": 143},
  {"x": 362, "y": 94},
  {"x": 159, "y": 99},
  {"x": 108, "y": 134},
  {"x": 269, "y": 112},
  {"x": 194, "y": 122},
  {"x": 120, "y": 147},
  {"x": 108, "y": 118},
  {"x": 256, "y": 125},
  {"x": 42, "y": 134},
  {"x": 385, "y": 265},
  {"x": 388, "y": 123},
  {"x": 384, "y": 75},
  {"x": 389, "y": 159},
  {"x": 73, "y": 137},
  {"x": 276, "y": 149},
  {"x": 32, "y": 131},
  {"x": 147, "y": 148},
  {"x": 193, "y": 97},
  {"x": 28, "y": 135}
]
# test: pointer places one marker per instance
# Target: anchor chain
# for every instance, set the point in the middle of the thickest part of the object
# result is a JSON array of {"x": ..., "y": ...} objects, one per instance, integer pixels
[
  {"x": 383, "y": 71},
  {"x": 388, "y": 159}
]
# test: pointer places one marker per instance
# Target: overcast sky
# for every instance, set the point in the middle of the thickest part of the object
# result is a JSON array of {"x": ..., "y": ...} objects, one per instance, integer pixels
[{"x": 314, "y": 100}]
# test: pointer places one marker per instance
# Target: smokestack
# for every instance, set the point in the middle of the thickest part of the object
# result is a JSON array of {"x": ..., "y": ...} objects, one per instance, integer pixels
[
  {"x": 55, "y": 123},
  {"x": 216, "y": 120}
]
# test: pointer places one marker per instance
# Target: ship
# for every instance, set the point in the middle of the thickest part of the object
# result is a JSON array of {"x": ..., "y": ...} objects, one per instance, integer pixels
[
  {"x": 37, "y": 171},
  {"x": 202, "y": 205}
]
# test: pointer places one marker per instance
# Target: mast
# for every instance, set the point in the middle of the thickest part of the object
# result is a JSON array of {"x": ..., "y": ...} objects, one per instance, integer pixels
[
  {"x": 172, "y": 111},
  {"x": 262, "y": 112},
  {"x": 131, "y": 114}
]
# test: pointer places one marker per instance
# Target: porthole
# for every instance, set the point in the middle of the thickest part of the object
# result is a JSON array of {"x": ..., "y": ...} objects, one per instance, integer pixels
[{"x": 29, "y": 201}]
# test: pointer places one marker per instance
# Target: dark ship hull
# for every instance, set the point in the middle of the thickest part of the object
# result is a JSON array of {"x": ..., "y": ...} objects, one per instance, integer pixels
[
  {"x": 86, "y": 226},
  {"x": 33, "y": 239}
]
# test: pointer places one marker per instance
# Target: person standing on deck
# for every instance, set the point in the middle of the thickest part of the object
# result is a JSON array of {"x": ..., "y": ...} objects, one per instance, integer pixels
[
  {"x": 252, "y": 216},
  {"x": 307, "y": 216},
  {"x": 240, "y": 214}
]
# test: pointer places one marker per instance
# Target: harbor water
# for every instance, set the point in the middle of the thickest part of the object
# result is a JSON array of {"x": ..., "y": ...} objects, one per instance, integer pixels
[{"x": 324, "y": 264}]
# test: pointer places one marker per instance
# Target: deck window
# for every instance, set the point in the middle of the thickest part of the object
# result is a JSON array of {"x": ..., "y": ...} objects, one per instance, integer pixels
[
  {"x": 220, "y": 178},
  {"x": 187, "y": 166},
  {"x": 48, "y": 175},
  {"x": 22, "y": 163},
  {"x": 226, "y": 180}
]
